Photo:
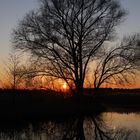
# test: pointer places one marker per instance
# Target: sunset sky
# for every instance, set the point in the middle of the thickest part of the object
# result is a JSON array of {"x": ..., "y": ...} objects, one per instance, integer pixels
[{"x": 11, "y": 11}]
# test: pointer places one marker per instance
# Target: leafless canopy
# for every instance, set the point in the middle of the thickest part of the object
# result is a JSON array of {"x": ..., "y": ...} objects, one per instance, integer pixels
[
  {"x": 14, "y": 71},
  {"x": 66, "y": 34},
  {"x": 119, "y": 64}
]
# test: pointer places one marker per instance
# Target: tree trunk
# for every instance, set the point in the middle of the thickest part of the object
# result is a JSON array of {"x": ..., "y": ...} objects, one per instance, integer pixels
[{"x": 79, "y": 88}]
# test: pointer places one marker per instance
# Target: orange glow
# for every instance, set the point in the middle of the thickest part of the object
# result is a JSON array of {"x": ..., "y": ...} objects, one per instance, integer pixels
[{"x": 60, "y": 85}]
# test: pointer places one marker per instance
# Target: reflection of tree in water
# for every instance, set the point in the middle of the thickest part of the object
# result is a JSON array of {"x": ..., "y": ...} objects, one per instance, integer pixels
[
  {"x": 82, "y": 128},
  {"x": 94, "y": 128},
  {"x": 86, "y": 128}
]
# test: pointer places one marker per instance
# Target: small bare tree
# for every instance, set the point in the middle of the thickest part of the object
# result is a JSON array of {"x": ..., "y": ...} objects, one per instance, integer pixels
[
  {"x": 66, "y": 34},
  {"x": 14, "y": 70},
  {"x": 22, "y": 73}
]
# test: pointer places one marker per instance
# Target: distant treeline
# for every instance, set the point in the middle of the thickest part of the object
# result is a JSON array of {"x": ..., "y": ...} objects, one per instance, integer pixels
[
  {"x": 87, "y": 91},
  {"x": 112, "y": 91},
  {"x": 107, "y": 95}
]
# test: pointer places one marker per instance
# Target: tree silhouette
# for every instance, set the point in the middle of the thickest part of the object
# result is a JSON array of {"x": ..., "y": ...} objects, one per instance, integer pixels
[
  {"x": 119, "y": 64},
  {"x": 67, "y": 34},
  {"x": 18, "y": 73},
  {"x": 14, "y": 70}
]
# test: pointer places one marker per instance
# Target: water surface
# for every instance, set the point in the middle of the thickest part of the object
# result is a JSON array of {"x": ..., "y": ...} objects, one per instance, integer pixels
[{"x": 107, "y": 125}]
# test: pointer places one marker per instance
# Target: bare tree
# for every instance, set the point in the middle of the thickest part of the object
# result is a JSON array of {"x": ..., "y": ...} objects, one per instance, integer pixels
[
  {"x": 22, "y": 72},
  {"x": 14, "y": 70},
  {"x": 67, "y": 34},
  {"x": 31, "y": 74},
  {"x": 119, "y": 64}
]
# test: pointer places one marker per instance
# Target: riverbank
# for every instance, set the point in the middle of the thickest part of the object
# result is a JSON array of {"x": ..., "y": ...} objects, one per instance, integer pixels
[{"x": 17, "y": 105}]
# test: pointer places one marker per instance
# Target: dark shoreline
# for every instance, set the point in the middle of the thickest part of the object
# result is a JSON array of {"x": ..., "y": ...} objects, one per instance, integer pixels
[{"x": 26, "y": 105}]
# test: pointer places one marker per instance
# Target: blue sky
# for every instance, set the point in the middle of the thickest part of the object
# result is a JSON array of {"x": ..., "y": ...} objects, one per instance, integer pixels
[
  {"x": 13, "y": 10},
  {"x": 132, "y": 22}
]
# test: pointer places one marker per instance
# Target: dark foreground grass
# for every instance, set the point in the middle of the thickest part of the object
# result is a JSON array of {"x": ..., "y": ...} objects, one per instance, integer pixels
[
  {"x": 26, "y": 105},
  {"x": 19, "y": 105}
]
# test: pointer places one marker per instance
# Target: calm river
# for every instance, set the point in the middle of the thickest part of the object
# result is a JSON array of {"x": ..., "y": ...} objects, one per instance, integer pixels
[{"x": 108, "y": 125}]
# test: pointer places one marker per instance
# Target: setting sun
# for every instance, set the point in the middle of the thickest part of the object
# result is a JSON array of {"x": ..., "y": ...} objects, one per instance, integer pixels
[{"x": 64, "y": 86}]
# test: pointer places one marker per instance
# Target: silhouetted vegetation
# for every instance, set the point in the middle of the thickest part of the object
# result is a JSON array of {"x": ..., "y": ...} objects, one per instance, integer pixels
[{"x": 118, "y": 65}]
